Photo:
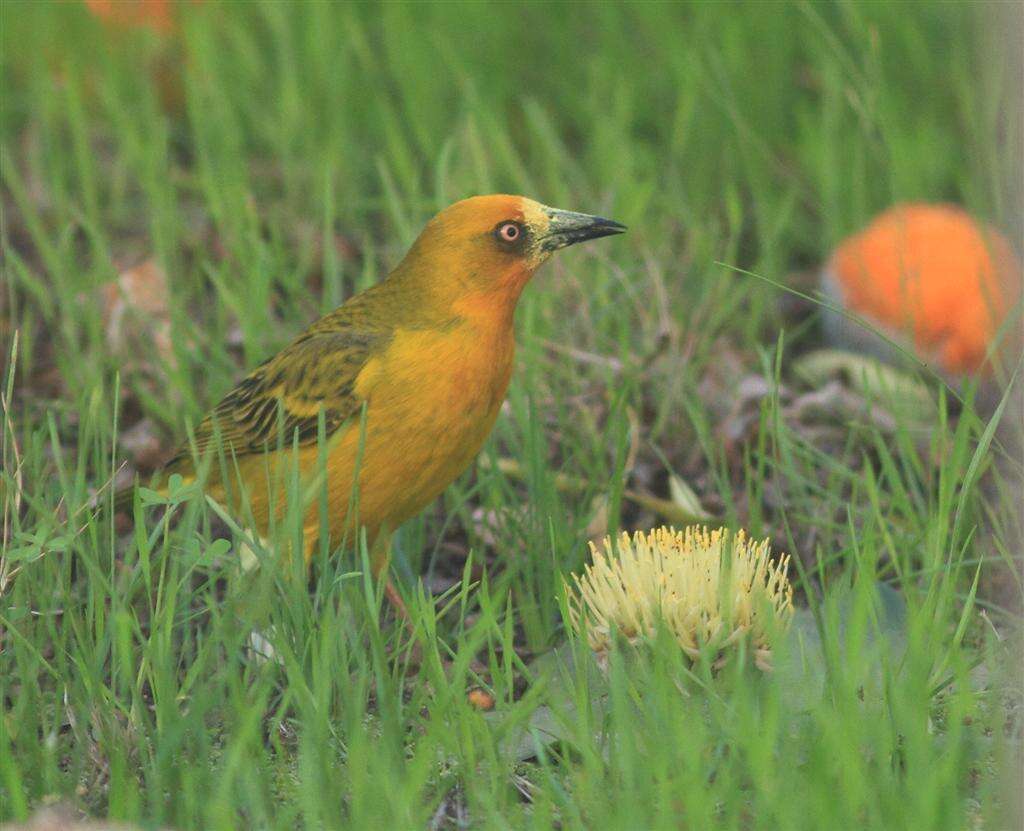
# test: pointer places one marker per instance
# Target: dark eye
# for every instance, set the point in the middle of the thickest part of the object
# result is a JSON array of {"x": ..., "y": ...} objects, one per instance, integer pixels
[{"x": 509, "y": 231}]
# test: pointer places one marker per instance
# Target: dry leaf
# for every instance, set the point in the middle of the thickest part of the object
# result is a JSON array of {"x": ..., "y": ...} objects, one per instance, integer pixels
[
  {"x": 136, "y": 309},
  {"x": 874, "y": 378},
  {"x": 62, "y": 817}
]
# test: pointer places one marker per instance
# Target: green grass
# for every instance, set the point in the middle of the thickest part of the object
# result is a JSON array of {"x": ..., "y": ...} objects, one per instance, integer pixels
[{"x": 274, "y": 158}]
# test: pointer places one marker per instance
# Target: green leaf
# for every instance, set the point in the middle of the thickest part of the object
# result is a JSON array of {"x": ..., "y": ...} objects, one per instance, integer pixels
[
  {"x": 217, "y": 548},
  {"x": 802, "y": 668},
  {"x": 22, "y": 553},
  {"x": 900, "y": 391},
  {"x": 151, "y": 497},
  {"x": 685, "y": 497}
]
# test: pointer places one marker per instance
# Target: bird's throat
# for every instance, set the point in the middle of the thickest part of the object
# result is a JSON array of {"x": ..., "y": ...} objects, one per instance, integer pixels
[
  {"x": 493, "y": 310},
  {"x": 495, "y": 304}
]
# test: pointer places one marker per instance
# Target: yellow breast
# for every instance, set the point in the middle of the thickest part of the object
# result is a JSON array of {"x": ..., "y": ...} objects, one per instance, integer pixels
[{"x": 432, "y": 399}]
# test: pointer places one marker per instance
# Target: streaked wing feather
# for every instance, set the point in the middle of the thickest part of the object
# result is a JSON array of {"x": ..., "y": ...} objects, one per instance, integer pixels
[{"x": 285, "y": 395}]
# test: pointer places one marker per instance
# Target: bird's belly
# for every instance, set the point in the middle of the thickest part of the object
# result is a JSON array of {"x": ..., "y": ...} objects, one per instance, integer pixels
[{"x": 408, "y": 464}]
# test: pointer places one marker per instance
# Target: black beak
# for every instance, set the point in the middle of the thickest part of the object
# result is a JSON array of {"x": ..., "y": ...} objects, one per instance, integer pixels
[{"x": 568, "y": 228}]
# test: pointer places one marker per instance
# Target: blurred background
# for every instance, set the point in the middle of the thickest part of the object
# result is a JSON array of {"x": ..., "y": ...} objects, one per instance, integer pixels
[{"x": 186, "y": 185}]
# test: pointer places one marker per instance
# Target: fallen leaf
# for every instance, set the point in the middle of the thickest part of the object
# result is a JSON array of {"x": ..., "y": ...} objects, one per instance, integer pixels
[
  {"x": 834, "y": 404},
  {"x": 62, "y": 817},
  {"x": 878, "y": 381},
  {"x": 136, "y": 309}
]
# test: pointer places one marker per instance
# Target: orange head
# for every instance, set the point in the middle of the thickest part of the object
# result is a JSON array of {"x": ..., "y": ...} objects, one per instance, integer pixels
[
  {"x": 484, "y": 249},
  {"x": 934, "y": 276}
]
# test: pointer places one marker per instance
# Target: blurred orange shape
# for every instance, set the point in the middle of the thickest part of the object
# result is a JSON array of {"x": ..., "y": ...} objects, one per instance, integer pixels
[
  {"x": 481, "y": 699},
  {"x": 929, "y": 276},
  {"x": 131, "y": 13}
]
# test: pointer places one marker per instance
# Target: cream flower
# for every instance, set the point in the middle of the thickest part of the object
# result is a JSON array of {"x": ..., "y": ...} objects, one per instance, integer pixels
[{"x": 708, "y": 588}]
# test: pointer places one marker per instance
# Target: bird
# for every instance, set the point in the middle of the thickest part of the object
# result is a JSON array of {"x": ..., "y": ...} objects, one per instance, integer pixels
[
  {"x": 931, "y": 278},
  {"x": 385, "y": 401}
]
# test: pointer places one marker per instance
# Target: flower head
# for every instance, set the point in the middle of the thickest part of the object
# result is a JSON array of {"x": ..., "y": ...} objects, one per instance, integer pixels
[{"x": 709, "y": 589}]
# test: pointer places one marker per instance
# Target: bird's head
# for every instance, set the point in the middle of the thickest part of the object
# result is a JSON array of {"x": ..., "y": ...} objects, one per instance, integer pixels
[{"x": 484, "y": 249}]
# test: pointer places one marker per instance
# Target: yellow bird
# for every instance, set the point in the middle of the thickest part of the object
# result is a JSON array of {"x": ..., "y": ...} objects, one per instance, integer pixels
[{"x": 406, "y": 377}]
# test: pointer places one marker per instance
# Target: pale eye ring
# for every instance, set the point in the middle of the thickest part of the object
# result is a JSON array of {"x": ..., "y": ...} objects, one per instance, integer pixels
[{"x": 509, "y": 231}]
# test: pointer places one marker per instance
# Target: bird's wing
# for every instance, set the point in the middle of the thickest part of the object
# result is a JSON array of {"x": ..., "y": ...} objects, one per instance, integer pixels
[{"x": 285, "y": 396}]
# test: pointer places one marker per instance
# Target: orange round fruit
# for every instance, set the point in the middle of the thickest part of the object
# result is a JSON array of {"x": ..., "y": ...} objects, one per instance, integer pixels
[{"x": 931, "y": 277}]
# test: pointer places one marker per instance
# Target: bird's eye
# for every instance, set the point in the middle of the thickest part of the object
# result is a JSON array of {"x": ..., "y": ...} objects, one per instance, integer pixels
[{"x": 509, "y": 231}]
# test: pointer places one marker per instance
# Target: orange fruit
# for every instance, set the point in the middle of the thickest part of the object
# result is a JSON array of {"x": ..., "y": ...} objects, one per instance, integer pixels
[{"x": 931, "y": 277}]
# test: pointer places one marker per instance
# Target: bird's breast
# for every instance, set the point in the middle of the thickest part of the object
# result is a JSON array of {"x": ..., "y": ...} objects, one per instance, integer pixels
[
  {"x": 440, "y": 375},
  {"x": 432, "y": 399}
]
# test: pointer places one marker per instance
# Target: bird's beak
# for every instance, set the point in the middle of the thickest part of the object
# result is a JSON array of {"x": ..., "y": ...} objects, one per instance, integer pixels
[{"x": 568, "y": 228}]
